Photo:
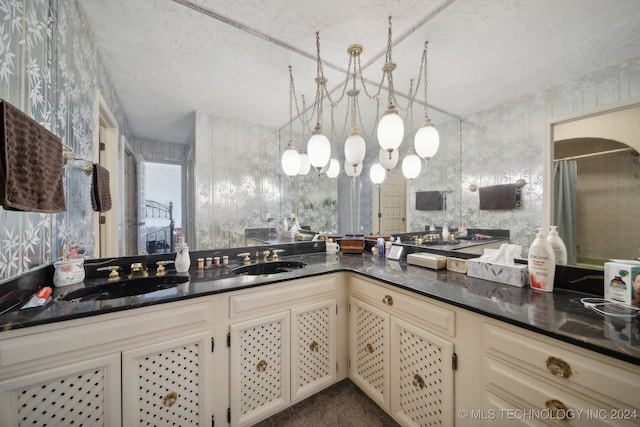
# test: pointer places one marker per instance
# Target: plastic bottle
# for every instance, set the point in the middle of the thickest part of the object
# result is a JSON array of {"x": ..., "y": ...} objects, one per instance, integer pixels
[
  {"x": 381, "y": 245},
  {"x": 445, "y": 233},
  {"x": 559, "y": 249},
  {"x": 542, "y": 264}
]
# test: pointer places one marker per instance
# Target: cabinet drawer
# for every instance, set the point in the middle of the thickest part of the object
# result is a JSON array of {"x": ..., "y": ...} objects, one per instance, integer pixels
[
  {"x": 274, "y": 298},
  {"x": 532, "y": 392},
  {"x": 412, "y": 308},
  {"x": 551, "y": 359},
  {"x": 113, "y": 329}
]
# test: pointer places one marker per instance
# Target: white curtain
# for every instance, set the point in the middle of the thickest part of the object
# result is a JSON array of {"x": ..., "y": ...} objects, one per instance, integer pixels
[{"x": 565, "y": 205}]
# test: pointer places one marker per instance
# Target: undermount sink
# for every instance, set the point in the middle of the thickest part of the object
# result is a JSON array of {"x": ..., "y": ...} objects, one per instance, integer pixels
[
  {"x": 273, "y": 267},
  {"x": 124, "y": 288}
]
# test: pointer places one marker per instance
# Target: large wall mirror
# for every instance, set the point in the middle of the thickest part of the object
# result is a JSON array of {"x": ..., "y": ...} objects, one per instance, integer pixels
[{"x": 592, "y": 174}]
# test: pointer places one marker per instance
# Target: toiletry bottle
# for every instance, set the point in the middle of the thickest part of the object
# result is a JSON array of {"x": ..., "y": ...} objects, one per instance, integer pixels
[
  {"x": 542, "y": 264},
  {"x": 381, "y": 247},
  {"x": 445, "y": 233},
  {"x": 183, "y": 260},
  {"x": 559, "y": 249}
]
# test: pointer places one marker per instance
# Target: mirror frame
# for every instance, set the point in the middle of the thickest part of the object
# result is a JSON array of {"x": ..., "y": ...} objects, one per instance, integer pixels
[{"x": 548, "y": 148}]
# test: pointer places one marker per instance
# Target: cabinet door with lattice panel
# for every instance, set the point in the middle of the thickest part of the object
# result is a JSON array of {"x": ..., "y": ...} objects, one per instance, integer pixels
[
  {"x": 259, "y": 368},
  {"x": 168, "y": 383},
  {"x": 313, "y": 348},
  {"x": 84, "y": 393},
  {"x": 421, "y": 376},
  {"x": 369, "y": 364}
]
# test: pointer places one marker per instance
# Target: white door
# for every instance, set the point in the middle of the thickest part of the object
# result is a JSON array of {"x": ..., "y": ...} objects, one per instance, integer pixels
[{"x": 389, "y": 204}]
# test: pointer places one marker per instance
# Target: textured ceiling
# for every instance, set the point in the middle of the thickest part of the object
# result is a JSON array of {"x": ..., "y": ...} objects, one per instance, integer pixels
[{"x": 169, "y": 58}]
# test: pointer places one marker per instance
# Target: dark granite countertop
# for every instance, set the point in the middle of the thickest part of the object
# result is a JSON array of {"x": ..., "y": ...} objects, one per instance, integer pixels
[{"x": 560, "y": 314}]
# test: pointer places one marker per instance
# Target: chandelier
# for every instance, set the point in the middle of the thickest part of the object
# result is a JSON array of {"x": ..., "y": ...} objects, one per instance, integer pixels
[{"x": 390, "y": 127}]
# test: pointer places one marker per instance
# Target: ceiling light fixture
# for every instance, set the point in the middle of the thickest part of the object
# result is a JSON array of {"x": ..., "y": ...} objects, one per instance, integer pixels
[
  {"x": 390, "y": 126},
  {"x": 291, "y": 158},
  {"x": 355, "y": 146},
  {"x": 319, "y": 147},
  {"x": 377, "y": 173},
  {"x": 427, "y": 139},
  {"x": 411, "y": 165}
]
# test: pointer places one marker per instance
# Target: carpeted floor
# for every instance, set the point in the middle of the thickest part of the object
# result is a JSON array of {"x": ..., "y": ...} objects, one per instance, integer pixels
[{"x": 341, "y": 405}]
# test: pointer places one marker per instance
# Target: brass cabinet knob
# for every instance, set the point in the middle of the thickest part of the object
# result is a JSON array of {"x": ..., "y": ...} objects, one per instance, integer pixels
[
  {"x": 558, "y": 367},
  {"x": 418, "y": 381},
  {"x": 170, "y": 399},
  {"x": 558, "y": 409},
  {"x": 370, "y": 348},
  {"x": 313, "y": 346},
  {"x": 388, "y": 299},
  {"x": 261, "y": 366}
]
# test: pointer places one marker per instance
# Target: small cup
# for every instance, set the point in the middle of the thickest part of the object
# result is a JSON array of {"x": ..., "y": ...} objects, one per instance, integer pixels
[
  {"x": 200, "y": 263},
  {"x": 216, "y": 261},
  {"x": 208, "y": 261},
  {"x": 225, "y": 260},
  {"x": 332, "y": 248}
]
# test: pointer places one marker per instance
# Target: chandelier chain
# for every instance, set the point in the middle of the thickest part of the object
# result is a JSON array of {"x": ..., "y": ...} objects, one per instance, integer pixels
[
  {"x": 291, "y": 93},
  {"x": 423, "y": 68},
  {"x": 301, "y": 113}
]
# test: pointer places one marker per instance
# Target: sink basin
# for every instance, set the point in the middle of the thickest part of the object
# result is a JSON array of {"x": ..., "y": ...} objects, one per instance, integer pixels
[
  {"x": 124, "y": 288},
  {"x": 269, "y": 268}
]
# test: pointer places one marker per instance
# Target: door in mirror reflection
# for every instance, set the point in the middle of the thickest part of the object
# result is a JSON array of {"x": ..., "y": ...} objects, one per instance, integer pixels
[
  {"x": 389, "y": 204},
  {"x": 161, "y": 207}
]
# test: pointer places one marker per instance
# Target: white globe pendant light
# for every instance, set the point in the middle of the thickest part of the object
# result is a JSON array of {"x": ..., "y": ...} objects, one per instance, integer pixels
[
  {"x": 352, "y": 171},
  {"x": 291, "y": 160},
  {"x": 334, "y": 168},
  {"x": 388, "y": 160},
  {"x": 427, "y": 140},
  {"x": 377, "y": 173},
  {"x": 390, "y": 130},
  {"x": 305, "y": 165},
  {"x": 355, "y": 148},
  {"x": 411, "y": 165},
  {"x": 318, "y": 149}
]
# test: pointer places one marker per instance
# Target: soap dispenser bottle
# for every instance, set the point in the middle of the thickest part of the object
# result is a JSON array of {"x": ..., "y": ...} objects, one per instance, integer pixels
[
  {"x": 183, "y": 260},
  {"x": 542, "y": 264},
  {"x": 445, "y": 233},
  {"x": 559, "y": 249}
]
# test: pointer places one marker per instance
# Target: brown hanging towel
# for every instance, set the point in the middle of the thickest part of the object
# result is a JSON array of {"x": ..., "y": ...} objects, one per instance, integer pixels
[
  {"x": 100, "y": 190},
  {"x": 30, "y": 164},
  {"x": 499, "y": 197}
]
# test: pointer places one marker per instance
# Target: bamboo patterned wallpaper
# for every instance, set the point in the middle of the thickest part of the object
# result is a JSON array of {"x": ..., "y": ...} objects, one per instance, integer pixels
[{"x": 50, "y": 69}]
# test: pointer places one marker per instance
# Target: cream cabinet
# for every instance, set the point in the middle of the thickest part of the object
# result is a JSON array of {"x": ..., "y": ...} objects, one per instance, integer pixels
[
  {"x": 162, "y": 383},
  {"x": 536, "y": 380},
  {"x": 128, "y": 368},
  {"x": 77, "y": 393},
  {"x": 397, "y": 359},
  {"x": 283, "y": 346}
]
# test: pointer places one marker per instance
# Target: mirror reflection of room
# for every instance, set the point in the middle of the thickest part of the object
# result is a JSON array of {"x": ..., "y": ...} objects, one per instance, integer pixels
[{"x": 597, "y": 178}]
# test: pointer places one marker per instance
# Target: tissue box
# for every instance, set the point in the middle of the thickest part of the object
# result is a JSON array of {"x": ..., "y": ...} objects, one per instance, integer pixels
[
  {"x": 619, "y": 276},
  {"x": 514, "y": 275}
]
